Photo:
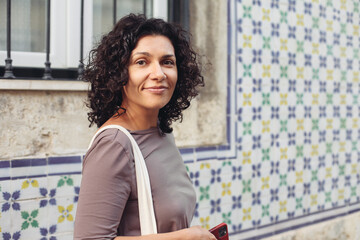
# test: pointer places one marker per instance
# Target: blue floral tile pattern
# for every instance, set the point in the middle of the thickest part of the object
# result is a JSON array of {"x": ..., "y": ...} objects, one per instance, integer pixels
[
  {"x": 48, "y": 233},
  {"x": 10, "y": 201}
]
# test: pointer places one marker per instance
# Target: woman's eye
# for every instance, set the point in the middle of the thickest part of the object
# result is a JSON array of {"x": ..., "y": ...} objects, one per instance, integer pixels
[
  {"x": 141, "y": 62},
  {"x": 169, "y": 62}
]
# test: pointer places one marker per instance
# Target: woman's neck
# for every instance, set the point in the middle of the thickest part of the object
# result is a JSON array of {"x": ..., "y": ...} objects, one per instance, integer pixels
[{"x": 133, "y": 119}]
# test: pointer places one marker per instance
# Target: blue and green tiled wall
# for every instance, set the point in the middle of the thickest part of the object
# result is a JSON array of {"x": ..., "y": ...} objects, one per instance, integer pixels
[
  {"x": 38, "y": 197},
  {"x": 292, "y": 156}
]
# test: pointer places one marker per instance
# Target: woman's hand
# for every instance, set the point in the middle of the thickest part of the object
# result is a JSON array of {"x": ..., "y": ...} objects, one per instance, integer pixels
[{"x": 199, "y": 233}]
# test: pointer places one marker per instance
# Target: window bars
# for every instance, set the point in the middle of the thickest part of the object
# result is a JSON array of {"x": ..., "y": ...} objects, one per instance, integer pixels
[
  {"x": 8, "y": 61},
  {"x": 8, "y": 73}
]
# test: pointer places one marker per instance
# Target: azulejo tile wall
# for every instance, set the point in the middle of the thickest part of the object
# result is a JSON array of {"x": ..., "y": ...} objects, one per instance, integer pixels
[
  {"x": 38, "y": 197},
  {"x": 296, "y": 80},
  {"x": 292, "y": 155}
]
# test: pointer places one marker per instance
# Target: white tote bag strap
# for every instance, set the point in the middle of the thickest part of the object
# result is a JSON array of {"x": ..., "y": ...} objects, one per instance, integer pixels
[{"x": 146, "y": 208}]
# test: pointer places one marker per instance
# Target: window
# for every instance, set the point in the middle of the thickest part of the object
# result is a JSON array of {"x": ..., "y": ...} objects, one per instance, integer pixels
[{"x": 28, "y": 28}]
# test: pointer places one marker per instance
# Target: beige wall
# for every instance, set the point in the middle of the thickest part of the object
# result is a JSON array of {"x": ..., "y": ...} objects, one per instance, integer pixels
[
  {"x": 205, "y": 123},
  {"x": 42, "y": 123}
]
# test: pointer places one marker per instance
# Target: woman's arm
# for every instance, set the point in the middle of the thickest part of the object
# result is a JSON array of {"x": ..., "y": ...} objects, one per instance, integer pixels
[
  {"x": 105, "y": 189},
  {"x": 193, "y": 233}
]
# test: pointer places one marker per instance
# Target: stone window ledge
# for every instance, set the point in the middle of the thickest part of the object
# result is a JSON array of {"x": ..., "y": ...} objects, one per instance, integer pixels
[{"x": 48, "y": 85}]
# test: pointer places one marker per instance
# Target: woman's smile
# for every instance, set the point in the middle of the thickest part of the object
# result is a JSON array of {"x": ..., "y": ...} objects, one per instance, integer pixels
[{"x": 156, "y": 89}]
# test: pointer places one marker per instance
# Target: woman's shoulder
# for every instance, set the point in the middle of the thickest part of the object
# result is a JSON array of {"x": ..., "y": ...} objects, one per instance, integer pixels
[
  {"x": 110, "y": 141},
  {"x": 112, "y": 135}
]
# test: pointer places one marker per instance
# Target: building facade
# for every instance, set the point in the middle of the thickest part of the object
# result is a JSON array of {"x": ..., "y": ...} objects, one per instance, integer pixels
[{"x": 271, "y": 145}]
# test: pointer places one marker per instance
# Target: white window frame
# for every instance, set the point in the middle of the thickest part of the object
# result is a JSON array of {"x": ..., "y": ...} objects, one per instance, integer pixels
[
  {"x": 65, "y": 35},
  {"x": 160, "y": 9},
  {"x": 37, "y": 59}
]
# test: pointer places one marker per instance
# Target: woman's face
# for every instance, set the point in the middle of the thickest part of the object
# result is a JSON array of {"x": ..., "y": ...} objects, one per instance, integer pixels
[{"x": 152, "y": 74}]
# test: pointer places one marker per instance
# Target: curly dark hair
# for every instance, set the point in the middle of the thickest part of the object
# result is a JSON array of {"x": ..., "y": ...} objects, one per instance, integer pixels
[{"x": 107, "y": 69}]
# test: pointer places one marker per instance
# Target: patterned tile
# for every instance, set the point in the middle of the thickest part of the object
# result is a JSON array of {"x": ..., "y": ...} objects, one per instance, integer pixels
[
  {"x": 5, "y": 218},
  {"x": 28, "y": 220},
  {"x": 64, "y": 185},
  {"x": 28, "y": 188},
  {"x": 64, "y": 214},
  {"x": 5, "y": 186}
]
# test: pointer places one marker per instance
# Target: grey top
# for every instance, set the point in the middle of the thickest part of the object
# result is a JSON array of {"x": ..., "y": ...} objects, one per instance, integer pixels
[{"x": 108, "y": 204}]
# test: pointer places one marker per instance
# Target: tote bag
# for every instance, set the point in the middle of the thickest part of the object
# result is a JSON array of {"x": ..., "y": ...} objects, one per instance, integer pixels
[{"x": 146, "y": 208}]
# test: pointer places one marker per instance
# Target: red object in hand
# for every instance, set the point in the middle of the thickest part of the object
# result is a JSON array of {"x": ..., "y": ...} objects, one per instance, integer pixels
[{"x": 220, "y": 231}]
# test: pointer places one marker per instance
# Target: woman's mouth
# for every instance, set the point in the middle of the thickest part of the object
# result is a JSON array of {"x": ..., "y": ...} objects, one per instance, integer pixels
[{"x": 156, "y": 90}]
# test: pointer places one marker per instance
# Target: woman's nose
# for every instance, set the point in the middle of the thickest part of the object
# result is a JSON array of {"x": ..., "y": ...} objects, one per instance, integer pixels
[{"x": 157, "y": 72}]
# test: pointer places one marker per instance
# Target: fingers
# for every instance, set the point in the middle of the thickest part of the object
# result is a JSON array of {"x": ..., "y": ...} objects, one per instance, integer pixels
[
  {"x": 212, "y": 237},
  {"x": 202, "y": 234}
]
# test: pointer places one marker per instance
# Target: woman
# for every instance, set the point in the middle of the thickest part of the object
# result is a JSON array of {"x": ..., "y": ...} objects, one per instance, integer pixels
[{"x": 143, "y": 75}]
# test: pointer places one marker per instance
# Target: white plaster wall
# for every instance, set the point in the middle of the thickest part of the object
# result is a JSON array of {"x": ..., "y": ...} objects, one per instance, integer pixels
[
  {"x": 42, "y": 123},
  {"x": 206, "y": 118}
]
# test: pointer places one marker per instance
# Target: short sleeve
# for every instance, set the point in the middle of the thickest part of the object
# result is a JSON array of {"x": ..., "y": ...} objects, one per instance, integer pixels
[{"x": 105, "y": 189}]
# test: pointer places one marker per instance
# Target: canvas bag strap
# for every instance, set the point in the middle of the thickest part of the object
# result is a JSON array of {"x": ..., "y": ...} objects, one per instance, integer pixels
[{"x": 146, "y": 207}]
